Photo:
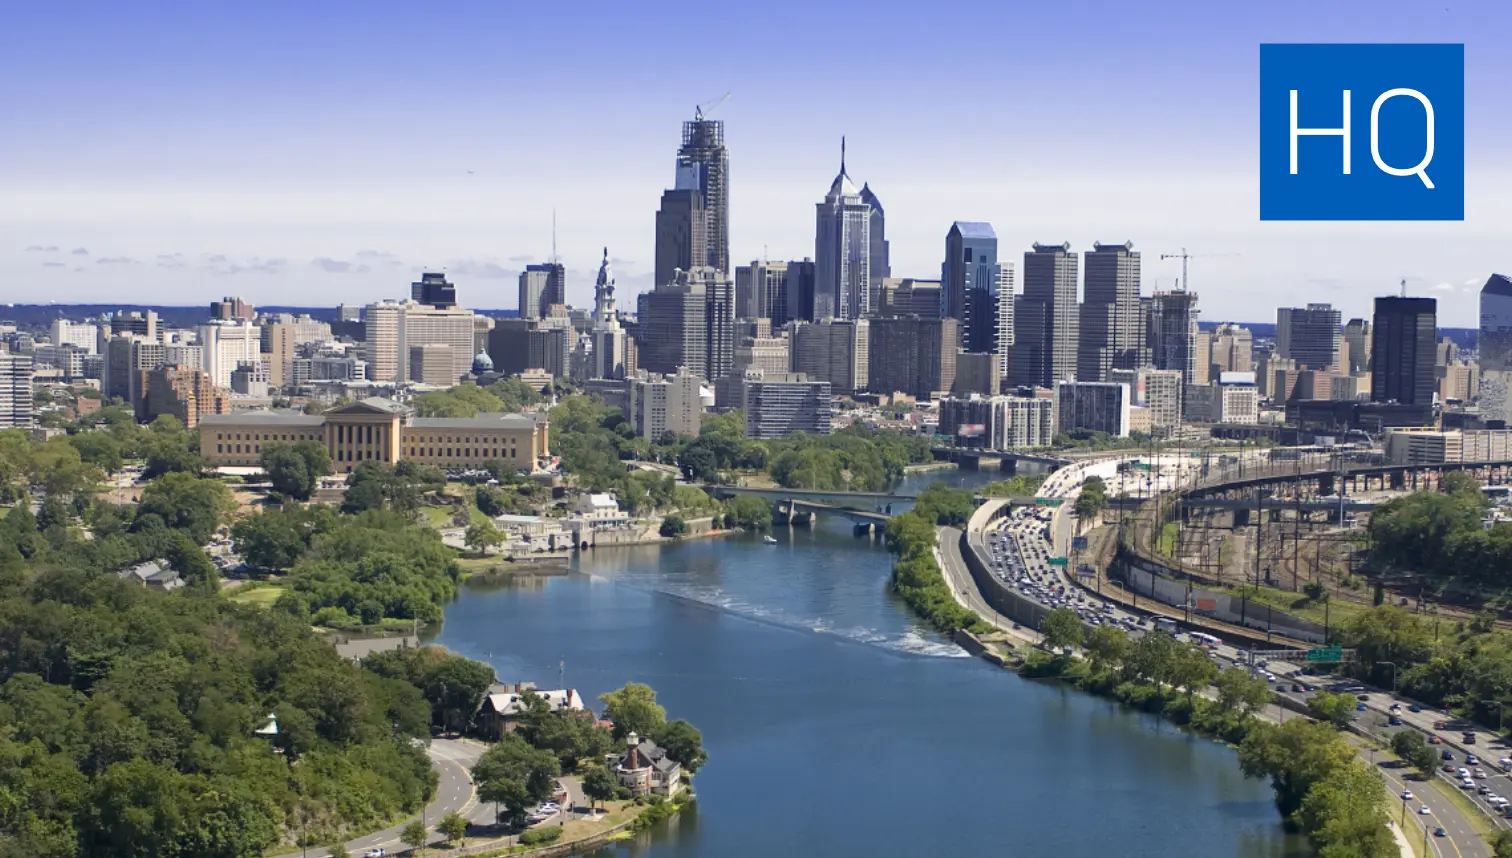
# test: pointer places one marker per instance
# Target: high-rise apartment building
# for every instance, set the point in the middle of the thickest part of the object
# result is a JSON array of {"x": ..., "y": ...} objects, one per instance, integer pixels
[
  {"x": 82, "y": 335},
  {"x": 777, "y": 405},
  {"x": 834, "y": 350},
  {"x": 1173, "y": 334},
  {"x": 1231, "y": 350},
  {"x": 1046, "y": 318},
  {"x": 182, "y": 392},
  {"x": 969, "y": 282},
  {"x": 380, "y": 348},
  {"x": 1402, "y": 350},
  {"x": 1309, "y": 335},
  {"x": 998, "y": 422},
  {"x": 703, "y": 164},
  {"x": 1159, "y": 390},
  {"x": 1495, "y": 346},
  {"x": 226, "y": 345},
  {"x": 435, "y": 290},
  {"x": 660, "y": 404},
  {"x": 542, "y": 286},
  {"x": 1111, "y": 336},
  {"x": 913, "y": 356},
  {"x": 842, "y": 251},
  {"x": 16, "y": 390}
]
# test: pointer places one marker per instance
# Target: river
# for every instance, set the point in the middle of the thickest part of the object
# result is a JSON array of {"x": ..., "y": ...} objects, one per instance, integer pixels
[{"x": 837, "y": 724}]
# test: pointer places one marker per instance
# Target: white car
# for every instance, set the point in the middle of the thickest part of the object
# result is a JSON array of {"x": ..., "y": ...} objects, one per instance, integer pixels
[
  {"x": 374, "y": 853},
  {"x": 1424, "y": 810},
  {"x": 1406, "y": 795}
]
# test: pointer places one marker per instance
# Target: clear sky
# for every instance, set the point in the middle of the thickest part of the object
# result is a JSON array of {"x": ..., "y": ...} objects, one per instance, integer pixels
[{"x": 316, "y": 153}]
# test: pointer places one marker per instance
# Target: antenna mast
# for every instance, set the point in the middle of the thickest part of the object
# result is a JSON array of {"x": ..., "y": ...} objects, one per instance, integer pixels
[{"x": 1404, "y": 287}]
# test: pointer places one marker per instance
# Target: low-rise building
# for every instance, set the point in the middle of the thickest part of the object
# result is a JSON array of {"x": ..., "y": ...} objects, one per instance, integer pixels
[
  {"x": 506, "y": 702},
  {"x": 646, "y": 769},
  {"x": 599, "y": 512}
]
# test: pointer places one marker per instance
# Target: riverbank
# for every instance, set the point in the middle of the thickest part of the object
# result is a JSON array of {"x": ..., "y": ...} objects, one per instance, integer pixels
[
  {"x": 619, "y": 821},
  {"x": 929, "y": 467}
]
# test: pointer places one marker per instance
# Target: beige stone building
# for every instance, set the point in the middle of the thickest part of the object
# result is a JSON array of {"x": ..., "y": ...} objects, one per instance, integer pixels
[{"x": 379, "y": 430}]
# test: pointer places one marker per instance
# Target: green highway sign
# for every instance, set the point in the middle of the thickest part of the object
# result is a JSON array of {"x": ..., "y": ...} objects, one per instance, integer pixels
[
  {"x": 1049, "y": 501},
  {"x": 1325, "y": 654},
  {"x": 1141, "y": 466},
  {"x": 1057, "y": 561}
]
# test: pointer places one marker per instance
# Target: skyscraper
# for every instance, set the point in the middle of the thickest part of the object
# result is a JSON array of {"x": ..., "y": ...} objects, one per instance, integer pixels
[
  {"x": 1357, "y": 336},
  {"x": 541, "y": 286},
  {"x": 836, "y": 351},
  {"x": 1173, "y": 335},
  {"x": 682, "y": 232},
  {"x": 1403, "y": 346},
  {"x": 435, "y": 290},
  {"x": 969, "y": 284},
  {"x": 761, "y": 291},
  {"x": 16, "y": 390},
  {"x": 842, "y": 251},
  {"x": 1495, "y": 344},
  {"x": 703, "y": 163},
  {"x": 1310, "y": 336},
  {"x": 1232, "y": 350},
  {"x": 689, "y": 322},
  {"x": 880, "y": 264},
  {"x": 1111, "y": 336},
  {"x": 1046, "y": 323},
  {"x": 912, "y": 355}
]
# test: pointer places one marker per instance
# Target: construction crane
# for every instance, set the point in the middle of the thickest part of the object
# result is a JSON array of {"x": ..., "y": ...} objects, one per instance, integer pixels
[
  {"x": 700, "y": 110},
  {"x": 1184, "y": 256}
]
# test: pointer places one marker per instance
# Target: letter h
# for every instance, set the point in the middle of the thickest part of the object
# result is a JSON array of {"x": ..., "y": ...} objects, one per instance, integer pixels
[{"x": 1318, "y": 132}]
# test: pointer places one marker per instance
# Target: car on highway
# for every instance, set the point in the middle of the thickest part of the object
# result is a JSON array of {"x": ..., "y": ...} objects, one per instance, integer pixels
[
  {"x": 1446, "y": 754},
  {"x": 1471, "y": 760},
  {"x": 1361, "y": 707},
  {"x": 1424, "y": 811},
  {"x": 1414, "y": 708},
  {"x": 1394, "y": 721},
  {"x": 1440, "y": 832},
  {"x": 374, "y": 853},
  {"x": 1406, "y": 795},
  {"x": 1434, "y": 740}
]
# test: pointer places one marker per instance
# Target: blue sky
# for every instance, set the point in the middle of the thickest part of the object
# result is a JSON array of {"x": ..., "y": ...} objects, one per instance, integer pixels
[{"x": 316, "y": 153}]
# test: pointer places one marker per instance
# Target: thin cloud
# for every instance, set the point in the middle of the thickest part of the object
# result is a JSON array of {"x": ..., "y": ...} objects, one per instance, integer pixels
[
  {"x": 115, "y": 260},
  {"x": 1442, "y": 287},
  {"x": 79, "y": 251},
  {"x": 256, "y": 266},
  {"x": 217, "y": 259},
  {"x": 170, "y": 260},
  {"x": 1473, "y": 281},
  {"x": 331, "y": 266},
  {"x": 374, "y": 254},
  {"x": 523, "y": 258},
  {"x": 37, "y": 248},
  {"x": 481, "y": 269},
  {"x": 53, "y": 265}
]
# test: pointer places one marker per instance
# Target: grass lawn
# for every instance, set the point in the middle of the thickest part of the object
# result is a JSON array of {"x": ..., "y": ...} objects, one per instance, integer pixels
[
  {"x": 441, "y": 516},
  {"x": 265, "y": 595},
  {"x": 1299, "y": 605}
]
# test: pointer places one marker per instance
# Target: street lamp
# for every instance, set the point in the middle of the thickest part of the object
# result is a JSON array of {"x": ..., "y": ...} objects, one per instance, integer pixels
[
  {"x": 1393, "y": 674},
  {"x": 1499, "y": 706}
]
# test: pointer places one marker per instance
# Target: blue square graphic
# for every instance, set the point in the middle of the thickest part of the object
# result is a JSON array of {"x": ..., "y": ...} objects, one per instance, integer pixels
[{"x": 1392, "y": 92}]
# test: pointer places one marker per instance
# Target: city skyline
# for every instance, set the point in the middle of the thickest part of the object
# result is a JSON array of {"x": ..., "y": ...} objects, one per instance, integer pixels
[{"x": 406, "y": 165}]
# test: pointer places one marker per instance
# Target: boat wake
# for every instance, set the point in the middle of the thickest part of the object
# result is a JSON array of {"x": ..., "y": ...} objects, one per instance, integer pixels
[{"x": 911, "y": 641}]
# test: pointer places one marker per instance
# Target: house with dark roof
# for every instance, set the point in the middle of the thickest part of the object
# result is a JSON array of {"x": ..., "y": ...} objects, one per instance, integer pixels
[
  {"x": 506, "y": 702},
  {"x": 646, "y": 769},
  {"x": 154, "y": 575}
]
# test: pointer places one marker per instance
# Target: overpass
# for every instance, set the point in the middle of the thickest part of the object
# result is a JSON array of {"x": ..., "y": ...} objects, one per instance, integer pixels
[
  {"x": 1004, "y": 460},
  {"x": 850, "y": 500}
]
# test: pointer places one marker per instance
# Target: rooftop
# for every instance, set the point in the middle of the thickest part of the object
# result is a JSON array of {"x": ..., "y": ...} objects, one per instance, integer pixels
[{"x": 264, "y": 417}]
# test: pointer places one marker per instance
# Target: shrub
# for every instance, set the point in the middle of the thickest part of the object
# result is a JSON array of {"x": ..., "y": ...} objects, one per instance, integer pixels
[{"x": 541, "y": 836}]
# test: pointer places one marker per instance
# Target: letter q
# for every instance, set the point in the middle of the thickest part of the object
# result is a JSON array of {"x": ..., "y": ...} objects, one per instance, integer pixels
[{"x": 1420, "y": 168}]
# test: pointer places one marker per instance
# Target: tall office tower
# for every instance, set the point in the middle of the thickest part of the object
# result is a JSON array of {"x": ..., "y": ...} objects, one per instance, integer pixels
[
  {"x": 1402, "y": 350},
  {"x": 800, "y": 290},
  {"x": 225, "y": 345},
  {"x": 232, "y": 310},
  {"x": 435, "y": 290},
  {"x": 703, "y": 163},
  {"x": 905, "y": 296},
  {"x": 969, "y": 284},
  {"x": 1495, "y": 345},
  {"x": 424, "y": 325},
  {"x": 834, "y": 350},
  {"x": 143, "y": 324},
  {"x": 1110, "y": 337},
  {"x": 431, "y": 363},
  {"x": 689, "y": 322},
  {"x": 16, "y": 390},
  {"x": 1357, "y": 335},
  {"x": 1173, "y": 334},
  {"x": 913, "y": 356},
  {"x": 842, "y": 251},
  {"x": 280, "y": 342},
  {"x": 682, "y": 225},
  {"x": 761, "y": 291},
  {"x": 1202, "y": 357},
  {"x": 880, "y": 263},
  {"x": 608, "y": 337},
  {"x": 380, "y": 347},
  {"x": 85, "y": 336},
  {"x": 1093, "y": 406},
  {"x": 1232, "y": 349},
  {"x": 1310, "y": 336},
  {"x": 542, "y": 286},
  {"x": 128, "y": 359},
  {"x": 1046, "y": 318},
  {"x": 1005, "y": 319}
]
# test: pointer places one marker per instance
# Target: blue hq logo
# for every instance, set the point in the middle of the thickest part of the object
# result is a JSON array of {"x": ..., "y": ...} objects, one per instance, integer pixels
[{"x": 1362, "y": 132}]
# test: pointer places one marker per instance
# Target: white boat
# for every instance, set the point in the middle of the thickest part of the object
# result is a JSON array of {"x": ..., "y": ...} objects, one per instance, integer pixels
[{"x": 769, "y": 540}]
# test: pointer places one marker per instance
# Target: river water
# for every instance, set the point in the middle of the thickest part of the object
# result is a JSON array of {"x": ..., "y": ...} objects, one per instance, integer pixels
[{"x": 837, "y": 724}]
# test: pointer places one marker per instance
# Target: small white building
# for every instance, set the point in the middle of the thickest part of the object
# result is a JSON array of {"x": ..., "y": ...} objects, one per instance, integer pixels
[{"x": 598, "y": 512}]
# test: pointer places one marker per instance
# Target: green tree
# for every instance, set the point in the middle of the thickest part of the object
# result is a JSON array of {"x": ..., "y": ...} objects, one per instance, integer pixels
[
  {"x": 171, "y": 454},
  {"x": 1415, "y": 751},
  {"x": 414, "y": 836},
  {"x": 571, "y": 735},
  {"x": 454, "y": 828},
  {"x": 270, "y": 539},
  {"x": 1106, "y": 648},
  {"x": 1062, "y": 629},
  {"x": 672, "y": 526},
  {"x": 1294, "y": 756},
  {"x": 481, "y": 536},
  {"x": 599, "y": 785},
  {"x": 634, "y": 709},
  {"x": 1335, "y": 709},
  {"x": 683, "y": 743},
  {"x": 749, "y": 512},
  {"x": 513, "y": 774},
  {"x": 1344, "y": 814},
  {"x": 1241, "y": 694},
  {"x": 1092, "y": 498},
  {"x": 295, "y": 469},
  {"x": 945, "y": 505},
  {"x": 1192, "y": 670},
  {"x": 336, "y": 849},
  {"x": 188, "y": 503}
]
